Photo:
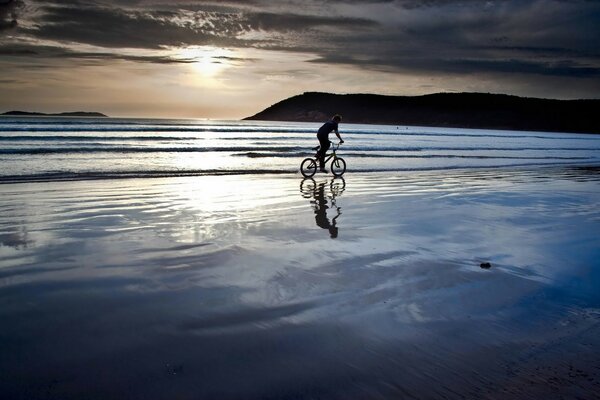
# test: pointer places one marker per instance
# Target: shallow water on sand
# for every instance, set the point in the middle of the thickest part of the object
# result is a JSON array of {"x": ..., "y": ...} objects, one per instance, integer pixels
[{"x": 278, "y": 287}]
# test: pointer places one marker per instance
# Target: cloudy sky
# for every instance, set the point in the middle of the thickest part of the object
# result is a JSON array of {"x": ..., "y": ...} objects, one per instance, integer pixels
[{"x": 230, "y": 59}]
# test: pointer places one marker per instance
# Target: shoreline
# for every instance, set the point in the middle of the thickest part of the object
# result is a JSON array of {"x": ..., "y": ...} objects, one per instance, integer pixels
[{"x": 110, "y": 175}]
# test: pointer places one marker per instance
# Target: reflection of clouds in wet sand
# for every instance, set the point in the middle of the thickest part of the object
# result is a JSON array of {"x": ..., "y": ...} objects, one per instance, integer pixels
[
  {"x": 16, "y": 236},
  {"x": 239, "y": 295}
]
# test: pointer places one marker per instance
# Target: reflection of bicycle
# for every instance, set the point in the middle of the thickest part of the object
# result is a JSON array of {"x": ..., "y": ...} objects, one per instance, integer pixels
[
  {"x": 307, "y": 187},
  {"x": 338, "y": 166},
  {"x": 336, "y": 187},
  {"x": 323, "y": 198}
]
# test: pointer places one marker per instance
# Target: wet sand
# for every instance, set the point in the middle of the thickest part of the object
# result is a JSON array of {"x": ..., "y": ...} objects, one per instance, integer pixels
[{"x": 274, "y": 287}]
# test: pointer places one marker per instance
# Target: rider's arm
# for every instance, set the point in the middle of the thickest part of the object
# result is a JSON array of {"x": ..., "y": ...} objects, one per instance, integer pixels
[{"x": 338, "y": 135}]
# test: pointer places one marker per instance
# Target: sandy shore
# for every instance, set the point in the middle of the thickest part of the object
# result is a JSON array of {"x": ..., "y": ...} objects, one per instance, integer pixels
[{"x": 274, "y": 287}]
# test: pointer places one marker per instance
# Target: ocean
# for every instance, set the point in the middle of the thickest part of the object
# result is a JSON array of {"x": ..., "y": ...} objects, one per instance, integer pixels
[
  {"x": 446, "y": 263},
  {"x": 47, "y": 149}
]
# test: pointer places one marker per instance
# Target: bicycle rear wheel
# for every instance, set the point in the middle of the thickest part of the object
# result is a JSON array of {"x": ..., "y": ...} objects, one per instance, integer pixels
[
  {"x": 308, "y": 167},
  {"x": 338, "y": 166}
]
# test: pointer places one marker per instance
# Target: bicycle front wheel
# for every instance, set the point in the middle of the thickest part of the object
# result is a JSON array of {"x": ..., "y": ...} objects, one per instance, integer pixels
[
  {"x": 338, "y": 166},
  {"x": 308, "y": 167},
  {"x": 337, "y": 186},
  {"x": 307, "y": 187}
]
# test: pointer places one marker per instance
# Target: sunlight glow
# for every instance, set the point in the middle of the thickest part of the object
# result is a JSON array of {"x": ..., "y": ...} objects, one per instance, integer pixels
[{"x": 207, "y": 61}]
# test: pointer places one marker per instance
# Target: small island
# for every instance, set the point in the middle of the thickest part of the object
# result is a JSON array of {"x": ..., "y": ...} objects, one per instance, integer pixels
[
  {"x": 455, "y": 110},
  {"x": 62, "y": 114}
]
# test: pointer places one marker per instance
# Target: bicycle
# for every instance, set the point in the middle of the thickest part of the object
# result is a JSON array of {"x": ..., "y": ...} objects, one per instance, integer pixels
[{"x": 308, "y": 167}]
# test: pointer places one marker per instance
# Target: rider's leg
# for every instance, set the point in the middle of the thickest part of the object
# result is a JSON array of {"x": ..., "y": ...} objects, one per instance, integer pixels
[{"x": 322, "y": 151}]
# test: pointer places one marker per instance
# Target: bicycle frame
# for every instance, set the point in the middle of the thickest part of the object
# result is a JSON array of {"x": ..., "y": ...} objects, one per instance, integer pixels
[{"x": 331, "y": 155}]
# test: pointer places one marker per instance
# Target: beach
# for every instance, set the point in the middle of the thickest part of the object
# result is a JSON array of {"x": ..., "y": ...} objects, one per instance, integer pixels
[
  {"x": 271, "y": 286},
  {"x": 169, "y": 229}
]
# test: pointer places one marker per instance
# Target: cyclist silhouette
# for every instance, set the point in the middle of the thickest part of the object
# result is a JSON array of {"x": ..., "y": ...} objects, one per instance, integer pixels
[{"x": 323, "y": 136}]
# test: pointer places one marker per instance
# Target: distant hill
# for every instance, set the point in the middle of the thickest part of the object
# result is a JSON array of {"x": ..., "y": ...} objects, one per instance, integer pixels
[
  {"x": 465, "y": 110},
  {"x": 63, "y": 114}
]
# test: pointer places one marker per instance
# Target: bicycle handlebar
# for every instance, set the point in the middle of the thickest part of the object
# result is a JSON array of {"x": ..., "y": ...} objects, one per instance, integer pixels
[{"x": 337, "y": 145}]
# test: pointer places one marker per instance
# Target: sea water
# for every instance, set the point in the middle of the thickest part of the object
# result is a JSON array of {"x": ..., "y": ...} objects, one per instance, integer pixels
[{"x": 43, "y": 148}]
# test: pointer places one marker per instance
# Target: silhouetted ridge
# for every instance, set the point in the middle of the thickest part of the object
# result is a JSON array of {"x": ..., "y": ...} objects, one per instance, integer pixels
[{"x": 467, "y": 110}]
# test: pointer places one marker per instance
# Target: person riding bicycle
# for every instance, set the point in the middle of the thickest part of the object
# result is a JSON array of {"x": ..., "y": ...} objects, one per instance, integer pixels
[{"x": 323, "y": 136}]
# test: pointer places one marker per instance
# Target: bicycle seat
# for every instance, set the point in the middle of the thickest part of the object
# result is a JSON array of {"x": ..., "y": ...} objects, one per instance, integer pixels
[{"x": 316, "y": 148}]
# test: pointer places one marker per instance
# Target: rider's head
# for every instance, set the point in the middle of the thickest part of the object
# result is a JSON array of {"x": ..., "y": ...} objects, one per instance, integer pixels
[{"x": 337, "y": 118}]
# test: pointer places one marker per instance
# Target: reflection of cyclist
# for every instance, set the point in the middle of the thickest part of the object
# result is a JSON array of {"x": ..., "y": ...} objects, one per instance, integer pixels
[
  {"x": 321, "y": 212},
  {"x": 323, "y": 136}
]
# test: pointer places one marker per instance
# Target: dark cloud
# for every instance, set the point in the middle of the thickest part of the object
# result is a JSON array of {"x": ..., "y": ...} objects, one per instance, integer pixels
[
  {"x": 156, "y": 28},
  {"x": 547, "y": 38},
  {"x": 118, "y": 28},
  {"x": 564, "y": 68},
  {"x": 299, "y": 23},
  {"x": 54, "y": 52},
  {"x": 233, "y": 59},
  {"x": 22, "y": 53},
  {"x": 473, "y": 67},
  {"x": 9, "y": 10},
  {"x": 537, "y": 37},
  {"x": 18, "y": 50}
]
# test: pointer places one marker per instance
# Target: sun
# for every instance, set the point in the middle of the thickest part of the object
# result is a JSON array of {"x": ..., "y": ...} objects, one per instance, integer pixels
[{"x": 206, "y": 61}]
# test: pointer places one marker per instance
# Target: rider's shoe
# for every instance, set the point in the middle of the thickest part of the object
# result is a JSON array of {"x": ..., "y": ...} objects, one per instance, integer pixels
[{"x": 323, "y": 170}]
